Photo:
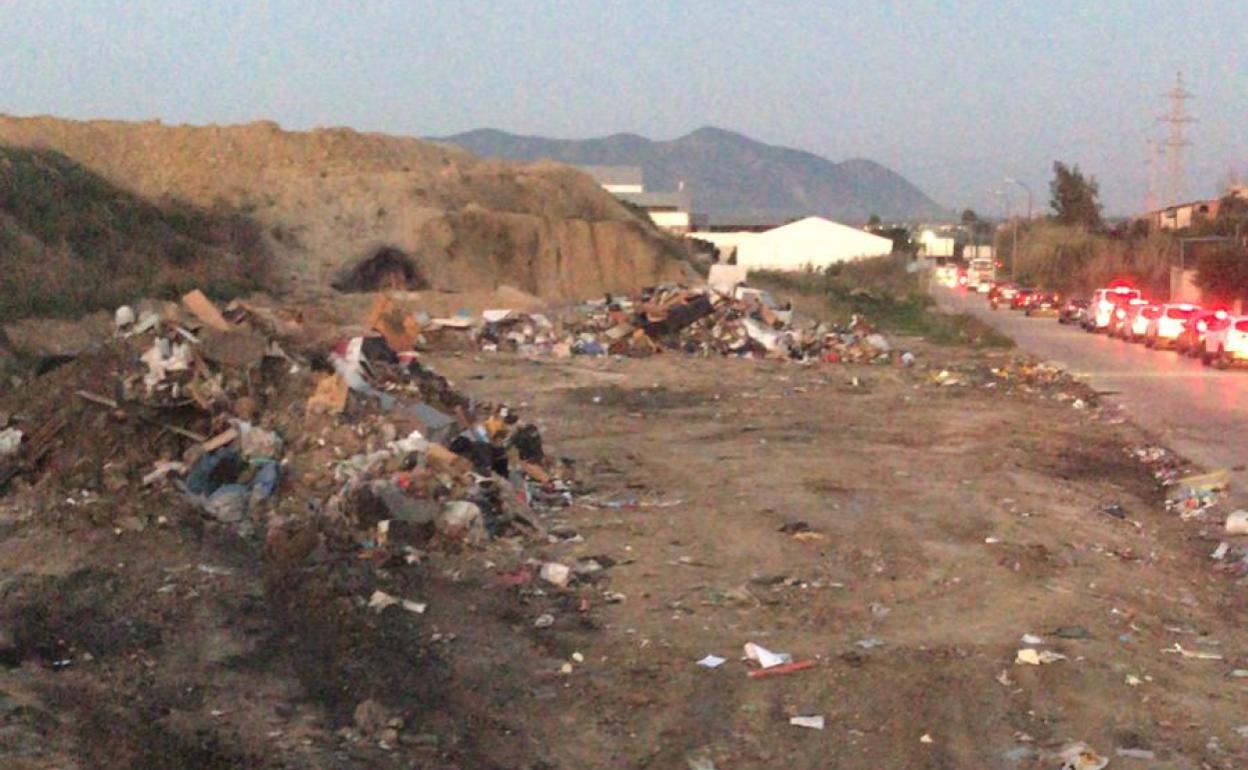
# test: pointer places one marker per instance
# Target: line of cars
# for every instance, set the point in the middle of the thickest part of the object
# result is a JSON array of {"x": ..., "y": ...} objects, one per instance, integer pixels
[{"x": 1212, "y": 334}]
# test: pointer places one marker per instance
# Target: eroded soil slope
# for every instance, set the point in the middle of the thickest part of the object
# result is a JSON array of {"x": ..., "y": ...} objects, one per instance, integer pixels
[{"x": 329, "y": 198}]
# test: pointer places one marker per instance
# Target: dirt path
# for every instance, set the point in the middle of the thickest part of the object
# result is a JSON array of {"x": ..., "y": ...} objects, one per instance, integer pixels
[{"x": 949, "y": 521}]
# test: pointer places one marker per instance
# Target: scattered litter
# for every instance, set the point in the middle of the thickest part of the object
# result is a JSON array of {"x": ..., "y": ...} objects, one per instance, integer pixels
[
  {"x": 712, "y": 661},
  {"x": 1031, "y": 639},
  {"x": 555, "y": 573},
  {"x": 1032, "y": 657},
  {"x": 10, "y": 441},
  {"x": 1178, "y": 649},
  {"x": 204, "y": 310},
  {"x": 545, "y": 620},
  {"x": 380, "y": 600},
  {"x": 813, "y": 722},
  {"x": 783, "y": 668},
  {"x": 1080, "y": 756},
  {"x": 1237, "y": 523},
  {"x": 869, "y": 643},
  {"x": 1136, "y": 753},
  {"x": 925, "y": 738},
  {"x": 1116, "y": 510},
  {"x": 1219, "y": 553},
  {"x": 764, "y": 657}
]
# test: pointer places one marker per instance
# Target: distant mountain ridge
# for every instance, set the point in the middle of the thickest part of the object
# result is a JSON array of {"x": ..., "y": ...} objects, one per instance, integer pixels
[{"x": 729, "y": 175}]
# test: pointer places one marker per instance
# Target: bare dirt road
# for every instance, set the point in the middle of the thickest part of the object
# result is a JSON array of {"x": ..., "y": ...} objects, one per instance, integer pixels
[{"x": 1198, "y": 411}]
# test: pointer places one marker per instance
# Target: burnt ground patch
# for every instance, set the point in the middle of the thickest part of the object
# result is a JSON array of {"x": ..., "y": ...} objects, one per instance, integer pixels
[{"x": 54, "y": 618}]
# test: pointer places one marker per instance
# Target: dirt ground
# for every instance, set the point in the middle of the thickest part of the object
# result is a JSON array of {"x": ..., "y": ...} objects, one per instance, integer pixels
[{"x": 929, "y": 528}]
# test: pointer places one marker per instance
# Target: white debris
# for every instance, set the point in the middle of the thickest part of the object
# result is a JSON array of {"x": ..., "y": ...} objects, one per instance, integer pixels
[
  {"x": 1032, "y": 657},
  {"x": 765, "y": 657},
  {"x": 814, "y": 722}
]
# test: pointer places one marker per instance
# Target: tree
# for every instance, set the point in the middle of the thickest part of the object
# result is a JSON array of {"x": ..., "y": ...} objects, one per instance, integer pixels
[
  {"x": 902, "y": 242},
  {"x": 874, "y": 221},
  {"x": 969, "y": 217},
  {"x": 1073, "y": 197},
  {"x": 1222, "y": 272}
]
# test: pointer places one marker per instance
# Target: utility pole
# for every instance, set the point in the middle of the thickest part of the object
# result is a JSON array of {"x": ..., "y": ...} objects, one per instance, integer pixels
[
  {"x": 1176, "y": 140},
  {"x": 1014, "y": 248},
  {"x": 1012, "y": 180}
]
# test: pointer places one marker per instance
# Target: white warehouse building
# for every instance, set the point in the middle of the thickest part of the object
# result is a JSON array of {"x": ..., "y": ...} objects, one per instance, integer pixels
[{"x": 810, "y": 242}]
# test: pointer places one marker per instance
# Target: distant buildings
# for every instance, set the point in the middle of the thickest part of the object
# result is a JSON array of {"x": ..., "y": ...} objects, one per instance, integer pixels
[
  {"x": 671, "y": 211},
  {"x": 933, "y": 244},
  {"x": 617, "y": 179},
  {"x": 811, "y": 242},
  {"x": 1184, "y": 215}
]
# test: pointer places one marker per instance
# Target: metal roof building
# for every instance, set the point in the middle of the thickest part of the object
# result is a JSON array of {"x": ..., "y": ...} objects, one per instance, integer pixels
[{"x": 810, "y": 242}]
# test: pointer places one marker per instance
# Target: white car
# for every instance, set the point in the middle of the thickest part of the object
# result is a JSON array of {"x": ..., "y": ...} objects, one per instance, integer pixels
[
  {"x": 1226, "y": 344},
  {"x": 984, "y": 286},
  {"x": 1104, "y": 301},
  {"x": 1140, "y": 319},
  {"x": 1164, "y": 330}
]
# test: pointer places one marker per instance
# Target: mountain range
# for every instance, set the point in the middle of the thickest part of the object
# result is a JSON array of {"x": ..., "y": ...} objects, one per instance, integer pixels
[{"x": 729, "y": 176}]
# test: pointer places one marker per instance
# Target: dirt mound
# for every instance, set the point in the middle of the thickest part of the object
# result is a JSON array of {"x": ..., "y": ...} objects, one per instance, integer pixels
[
  {"x": 70, "y": 241},
  {"x": 331, "y": 199}
]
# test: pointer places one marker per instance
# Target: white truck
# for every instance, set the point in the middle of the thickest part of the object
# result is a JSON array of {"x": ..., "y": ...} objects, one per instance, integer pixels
[{"x": 980, "y": 270}]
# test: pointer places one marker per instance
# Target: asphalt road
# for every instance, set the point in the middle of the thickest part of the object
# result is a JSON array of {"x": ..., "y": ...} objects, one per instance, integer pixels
[{"x": 1195, "y": 410}]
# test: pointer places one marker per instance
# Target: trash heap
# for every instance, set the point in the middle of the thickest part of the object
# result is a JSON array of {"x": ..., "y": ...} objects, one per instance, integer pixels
[
  {"x": 250, "y": 421},
  {"x": 746, "y": 324},
  {"x": 1019, "y": 374},
  {"x": 1189, "y": 492}
]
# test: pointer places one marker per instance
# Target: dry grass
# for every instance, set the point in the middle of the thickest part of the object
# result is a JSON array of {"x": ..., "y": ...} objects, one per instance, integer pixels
[
  {"x": 70, "y": 242},
  {"x": 884, "y": 293}
]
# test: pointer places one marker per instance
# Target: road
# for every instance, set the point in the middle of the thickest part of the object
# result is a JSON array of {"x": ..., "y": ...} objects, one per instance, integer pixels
[{"x": 1197, "y": 411}]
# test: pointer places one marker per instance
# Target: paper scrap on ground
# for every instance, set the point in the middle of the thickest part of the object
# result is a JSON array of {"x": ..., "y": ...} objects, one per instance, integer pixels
[
  {"x": 765, "y": 657},
  {"x": 813, "y": 722},
  {"x": 1178, "y": 649},
  {"x": 712, "y": 661},
  {"x": 1038, "y": 657}
]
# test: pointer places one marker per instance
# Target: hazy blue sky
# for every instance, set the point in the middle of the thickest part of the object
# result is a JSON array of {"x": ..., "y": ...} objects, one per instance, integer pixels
[{"x": 954, "y": 95}]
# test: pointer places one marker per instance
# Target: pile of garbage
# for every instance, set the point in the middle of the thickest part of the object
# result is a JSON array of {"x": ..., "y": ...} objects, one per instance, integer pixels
[
  {"x": 748, "y": 323},
  {"x": 1189, "y": 492},
  {"x": 251, "y": 422},
  {"x": 1020, "y": 374}
]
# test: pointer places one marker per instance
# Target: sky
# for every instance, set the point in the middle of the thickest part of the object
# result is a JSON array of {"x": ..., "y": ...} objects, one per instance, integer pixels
[{"x": 954, "y": 95}]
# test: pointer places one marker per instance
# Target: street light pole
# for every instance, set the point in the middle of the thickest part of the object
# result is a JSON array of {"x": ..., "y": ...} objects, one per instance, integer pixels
[
  {"x": 1012, "y": 180},
  {"x": 1014, "y": 248}
]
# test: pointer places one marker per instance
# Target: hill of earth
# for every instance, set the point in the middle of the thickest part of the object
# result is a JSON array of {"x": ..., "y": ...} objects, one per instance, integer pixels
[
  {"x": 70, "y": 241},
  {"x": 326, "y": 202},
  {"x": 730, "y": 176}
]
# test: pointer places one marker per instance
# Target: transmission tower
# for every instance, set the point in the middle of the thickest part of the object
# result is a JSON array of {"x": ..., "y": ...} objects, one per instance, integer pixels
[{"x": 1176, "y": 141}]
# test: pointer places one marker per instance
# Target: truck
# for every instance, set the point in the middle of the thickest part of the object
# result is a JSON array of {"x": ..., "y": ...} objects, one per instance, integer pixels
[{"x": 979, "y": 271}]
